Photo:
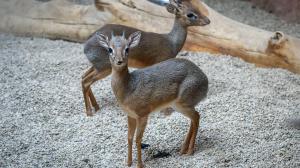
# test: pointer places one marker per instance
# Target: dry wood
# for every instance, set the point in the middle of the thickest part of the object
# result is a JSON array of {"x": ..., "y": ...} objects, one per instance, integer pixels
[{"x": 63, "y": 19}]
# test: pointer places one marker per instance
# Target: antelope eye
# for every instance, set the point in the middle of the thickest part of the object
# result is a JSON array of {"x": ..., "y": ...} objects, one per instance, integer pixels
[
  {"x": 192, "y": 16},
  {"x": 126, "y": 50},
  {"x": 110, "y": 50}
]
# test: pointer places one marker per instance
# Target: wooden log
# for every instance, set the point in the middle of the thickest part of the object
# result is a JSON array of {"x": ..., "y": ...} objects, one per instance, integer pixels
[{"x": 64, "y": 19}]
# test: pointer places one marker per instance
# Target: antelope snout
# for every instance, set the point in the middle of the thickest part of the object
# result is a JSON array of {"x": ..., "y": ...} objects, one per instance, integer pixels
[
  {"x": 204, "y": 21},
  {"x": 119, "y": 62}
]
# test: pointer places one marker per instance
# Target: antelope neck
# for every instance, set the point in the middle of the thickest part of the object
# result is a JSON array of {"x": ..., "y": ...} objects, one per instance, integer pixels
[
  {"x": 119, "y": 82},
  {"x": 121, "y": 73},
  {"x": 178, "y": 34}
]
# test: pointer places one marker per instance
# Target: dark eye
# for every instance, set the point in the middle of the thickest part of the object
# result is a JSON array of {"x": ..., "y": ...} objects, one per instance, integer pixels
[
  {"x": 192, "y": 16},
  {"x": 110, "y": 50},
  {"x": 126, "y": 50}
]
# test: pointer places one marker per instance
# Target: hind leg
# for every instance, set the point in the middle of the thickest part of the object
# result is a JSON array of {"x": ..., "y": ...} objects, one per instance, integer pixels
[
  {"x": 193, "y": 115},
  {"x": 191, "y": 92}
]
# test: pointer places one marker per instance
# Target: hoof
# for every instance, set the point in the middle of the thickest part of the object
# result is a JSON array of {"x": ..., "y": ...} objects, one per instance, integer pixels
[
  {"x": 89, "y": 113},
  {"x": 129, "y": 163},
  {"x": 183, "y": 149},
  {"x": 190, "y": 152},
  {"x": 182, "y": 152},
  {"x": 139, "y": 166},
  {"x": 96, "y": 108}
]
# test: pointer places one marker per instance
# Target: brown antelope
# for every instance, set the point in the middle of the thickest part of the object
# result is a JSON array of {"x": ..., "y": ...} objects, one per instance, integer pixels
[
  {"x": 153, "y": 47},
  {"x": 176, "y": 83}
]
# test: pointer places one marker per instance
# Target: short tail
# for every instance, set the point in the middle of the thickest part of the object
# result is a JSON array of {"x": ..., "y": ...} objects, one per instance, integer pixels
[{"x": 167, "y": 111}]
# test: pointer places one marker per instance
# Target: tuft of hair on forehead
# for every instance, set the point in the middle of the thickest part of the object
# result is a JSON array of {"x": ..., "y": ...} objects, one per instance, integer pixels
[
  {"x": 179, "y": 1},
  {"x": 118, "y": 41}
]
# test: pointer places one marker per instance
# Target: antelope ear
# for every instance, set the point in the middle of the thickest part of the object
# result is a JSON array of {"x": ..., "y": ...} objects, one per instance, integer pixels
[
  {"x": 134, "y": 39},
  {"x": 172, "y": 9},
  {"x": 102, "y": 40},
  {"x": 178, "y": 2}
]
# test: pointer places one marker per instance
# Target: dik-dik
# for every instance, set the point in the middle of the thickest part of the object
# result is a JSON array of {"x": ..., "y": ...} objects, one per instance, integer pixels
[
  {"x": 176, "y": 83},
  {"x": 153, "y": 47}
]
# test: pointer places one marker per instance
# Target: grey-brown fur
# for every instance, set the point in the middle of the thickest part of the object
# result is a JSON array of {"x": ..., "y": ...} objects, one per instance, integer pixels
[
  {"x": 150, "y": 47},
  {"x": 153, "y": 47},
  {"x": 176, "y": 83},
  {"x": 174, "y": 79},
  {"x": 148, "y": 53}
]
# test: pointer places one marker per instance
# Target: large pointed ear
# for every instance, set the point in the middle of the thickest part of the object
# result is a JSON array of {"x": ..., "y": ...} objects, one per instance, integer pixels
[
  {"x": 102, "y": 40},
  {"x": 134, "y": 39},
  {"x": 172, "y": 9},
  {"x": 176, "y": 2},
  {"x": 173, "y": 6}
]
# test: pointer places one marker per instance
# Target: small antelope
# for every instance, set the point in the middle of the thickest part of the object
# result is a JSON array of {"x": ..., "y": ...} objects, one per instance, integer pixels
[
  {"x": 153, "y": 47},
  {"x": 176, "y": 83}
]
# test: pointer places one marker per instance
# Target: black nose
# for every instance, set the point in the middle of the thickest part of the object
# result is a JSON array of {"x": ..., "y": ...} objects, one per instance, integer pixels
[
  {"x": 119, "y": 62},
  {"x": 206, "y": 21}
]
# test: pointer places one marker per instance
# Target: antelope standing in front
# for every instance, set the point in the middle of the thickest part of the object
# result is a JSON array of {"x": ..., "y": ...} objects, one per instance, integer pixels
[
  {"x": 176, "y": 83},
  {"x": 153, "y": 47}
]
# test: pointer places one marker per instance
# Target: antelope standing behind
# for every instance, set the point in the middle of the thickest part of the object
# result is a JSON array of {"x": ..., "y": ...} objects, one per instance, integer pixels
[
  {"x": 153, "y": 47},
  {"x": 176, "y": 83}
]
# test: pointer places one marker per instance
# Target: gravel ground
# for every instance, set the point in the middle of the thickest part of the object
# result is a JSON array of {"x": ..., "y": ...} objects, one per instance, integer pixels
[
  {"x": 243, "y": 11},
  {"x": 243, "y": 124}
]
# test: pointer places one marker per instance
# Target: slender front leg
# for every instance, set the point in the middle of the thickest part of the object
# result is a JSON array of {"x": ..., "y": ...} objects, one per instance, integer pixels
[
  {"x": 90, "y": 77},
  {"x": 141, "y": 125},
  {"x": 131, "y": 131}
]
